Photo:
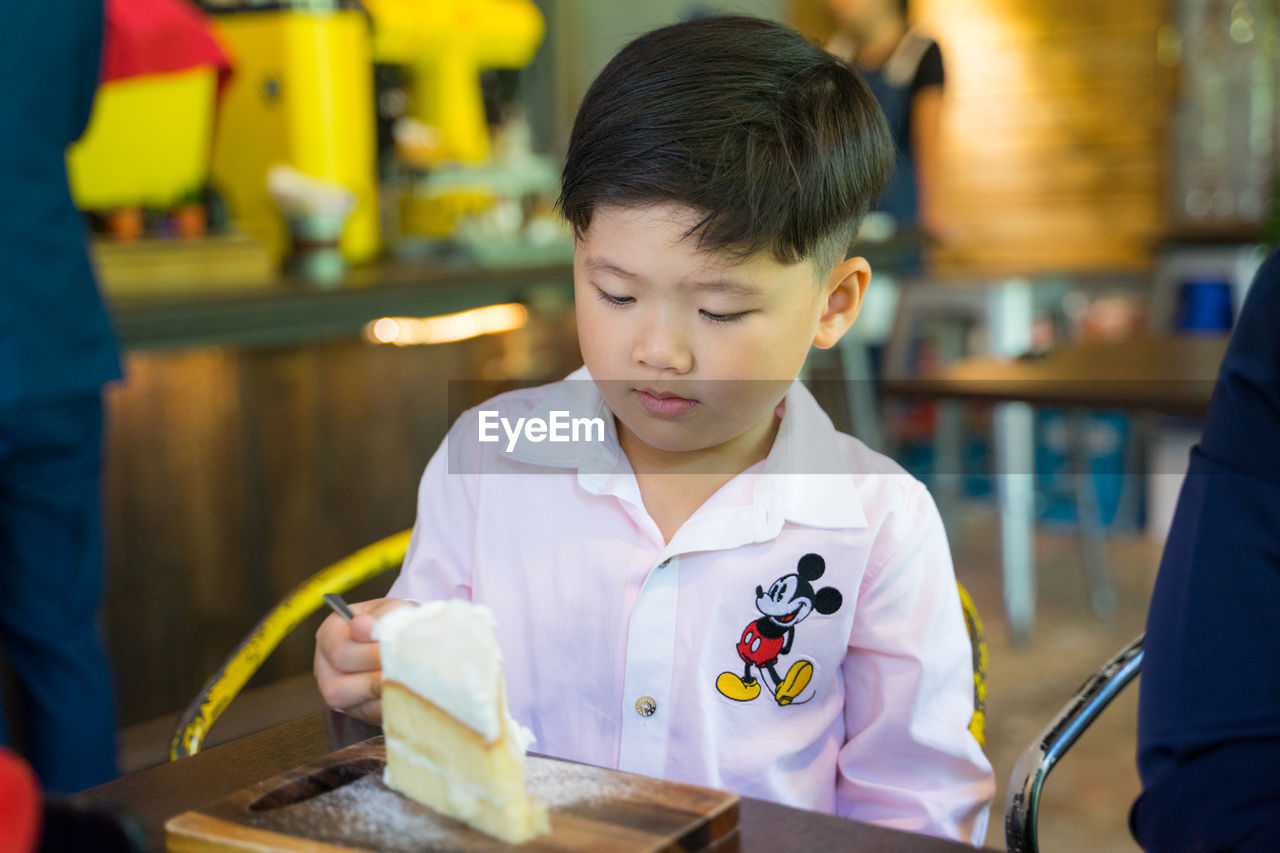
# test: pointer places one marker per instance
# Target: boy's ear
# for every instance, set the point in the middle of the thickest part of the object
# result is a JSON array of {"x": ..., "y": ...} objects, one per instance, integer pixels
[{"x": 844, "y": 289}]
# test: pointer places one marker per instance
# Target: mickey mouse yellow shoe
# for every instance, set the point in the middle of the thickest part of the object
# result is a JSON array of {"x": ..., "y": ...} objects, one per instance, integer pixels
[
  {"x": 796, "y": 681},
  {"x": 735, "y": 687}
]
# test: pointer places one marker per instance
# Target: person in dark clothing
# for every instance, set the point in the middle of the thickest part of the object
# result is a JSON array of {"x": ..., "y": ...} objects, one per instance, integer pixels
[
  {"x": 57, "y": 350},
  {"x": 1209, "y": 702},
  {"x": 905, "y": 71}
]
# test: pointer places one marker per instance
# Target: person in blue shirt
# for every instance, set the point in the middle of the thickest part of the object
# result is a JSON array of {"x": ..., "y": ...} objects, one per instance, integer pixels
[
  {"x": 1209, "y": 702},
  {"x": 57, "y": 350}
]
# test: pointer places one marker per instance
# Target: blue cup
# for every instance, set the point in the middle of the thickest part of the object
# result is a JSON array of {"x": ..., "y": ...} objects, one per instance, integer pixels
[{"x": 1204, "y": 306}]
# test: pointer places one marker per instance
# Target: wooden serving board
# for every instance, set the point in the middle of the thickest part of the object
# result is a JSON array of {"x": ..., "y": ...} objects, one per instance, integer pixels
[{"x": 340, "y": 803}]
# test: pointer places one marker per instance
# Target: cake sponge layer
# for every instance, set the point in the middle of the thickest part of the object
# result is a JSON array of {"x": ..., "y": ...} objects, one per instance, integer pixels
[{"x": 452, "y": 768}]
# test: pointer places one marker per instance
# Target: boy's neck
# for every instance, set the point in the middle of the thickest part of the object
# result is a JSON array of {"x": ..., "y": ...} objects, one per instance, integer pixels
[
  {"x": 729, "y": 458},
  {"x": 673, "y": 485}
]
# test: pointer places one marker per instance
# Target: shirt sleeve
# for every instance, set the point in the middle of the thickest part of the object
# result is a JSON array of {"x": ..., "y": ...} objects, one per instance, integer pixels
[
  {"x": 909, "y": 760},
  {"x": 438, "y": 562},
  {"x": 930, "y": 71}
]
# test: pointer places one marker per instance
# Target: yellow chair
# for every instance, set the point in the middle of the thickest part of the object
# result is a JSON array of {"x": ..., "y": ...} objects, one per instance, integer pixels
[
  {"x": 369, "y": 562},
  {"x": 237, "y": 669},
  {"x": 978, "y": 642}
]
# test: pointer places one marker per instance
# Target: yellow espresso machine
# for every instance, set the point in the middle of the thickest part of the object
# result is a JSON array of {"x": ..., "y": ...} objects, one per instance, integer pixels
[
  {"x": 444, "y": 45},
  {"x": 302, "y": 94}
]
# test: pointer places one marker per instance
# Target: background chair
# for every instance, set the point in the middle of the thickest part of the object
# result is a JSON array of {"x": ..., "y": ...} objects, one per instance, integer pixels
[
  {"x": 237, "y": 669},
  {"x": 1022, "y": 803}
]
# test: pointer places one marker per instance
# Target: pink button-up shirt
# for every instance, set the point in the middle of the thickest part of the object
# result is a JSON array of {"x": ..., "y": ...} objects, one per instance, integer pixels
[{"x": 616, "y": 643}]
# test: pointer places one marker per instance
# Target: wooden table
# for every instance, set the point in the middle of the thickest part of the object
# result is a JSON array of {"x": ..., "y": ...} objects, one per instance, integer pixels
[
  {"x": 1169, "y": 375},
  {"x": 157, "y": 794}
]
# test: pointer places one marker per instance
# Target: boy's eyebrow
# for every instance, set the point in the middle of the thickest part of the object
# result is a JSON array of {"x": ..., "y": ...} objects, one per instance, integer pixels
[
  {"x": 599, "y": 265},
  {"x": 731, "y": 286}
]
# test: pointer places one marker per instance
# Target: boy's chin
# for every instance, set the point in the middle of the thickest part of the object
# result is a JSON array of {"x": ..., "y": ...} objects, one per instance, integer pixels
[{"x": 678, "y": 438}]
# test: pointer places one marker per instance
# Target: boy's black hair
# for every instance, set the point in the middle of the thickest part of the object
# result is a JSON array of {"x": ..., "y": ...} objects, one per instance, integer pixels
[{"x": 779, "y": 144}]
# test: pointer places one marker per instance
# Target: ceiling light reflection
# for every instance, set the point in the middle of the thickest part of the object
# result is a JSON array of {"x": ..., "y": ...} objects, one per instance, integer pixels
[{"x": 411, "y": 331}]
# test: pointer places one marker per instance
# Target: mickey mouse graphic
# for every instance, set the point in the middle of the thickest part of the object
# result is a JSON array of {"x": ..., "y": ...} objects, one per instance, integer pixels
[{"x": 787, "y": 601}]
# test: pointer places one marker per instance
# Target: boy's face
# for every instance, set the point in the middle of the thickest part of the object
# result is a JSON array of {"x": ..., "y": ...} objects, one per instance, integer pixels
[{"x": 692, "y": 350}]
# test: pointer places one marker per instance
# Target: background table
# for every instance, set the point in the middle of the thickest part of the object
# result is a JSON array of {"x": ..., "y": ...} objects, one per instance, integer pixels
[
  {"x": 155, "y": 795},
  {"x": 1169, "y": 375}
]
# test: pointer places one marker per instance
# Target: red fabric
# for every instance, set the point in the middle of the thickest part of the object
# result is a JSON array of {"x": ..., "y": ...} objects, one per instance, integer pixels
[
  {"x": 157, "y": 37},
  {"x": 19, "y": 805},
  {"x": 766, "y": 649}
]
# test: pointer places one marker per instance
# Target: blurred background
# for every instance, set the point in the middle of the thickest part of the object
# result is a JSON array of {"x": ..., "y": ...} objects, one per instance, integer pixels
[{"x": 310, "y": 217}]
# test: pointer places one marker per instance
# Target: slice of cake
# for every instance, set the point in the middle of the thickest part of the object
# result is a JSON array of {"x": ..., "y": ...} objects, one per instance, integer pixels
[{"x": 451, "y": 743}]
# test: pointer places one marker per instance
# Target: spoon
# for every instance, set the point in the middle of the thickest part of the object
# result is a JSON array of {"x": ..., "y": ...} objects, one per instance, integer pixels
[{"x": 339, "y": 606}]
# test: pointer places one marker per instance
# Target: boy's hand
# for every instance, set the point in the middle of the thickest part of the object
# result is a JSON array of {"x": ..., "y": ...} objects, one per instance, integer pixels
[{"x": 347, "y": 666}]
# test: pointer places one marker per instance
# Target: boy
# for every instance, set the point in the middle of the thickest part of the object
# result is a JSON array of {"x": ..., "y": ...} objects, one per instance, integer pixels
[{"x": 716, "y": 173}]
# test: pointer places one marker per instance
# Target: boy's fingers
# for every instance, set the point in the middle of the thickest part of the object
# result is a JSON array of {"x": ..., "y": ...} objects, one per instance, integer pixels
[
  {"x": 345, "y": 692},
  {"x": 362, "y": 628},
  {"x": 337, "y": 652},
  {"x": 333, "y": 629},
  {"x": 347, "y": 665},
  {"x": 378, "y": 607},
  {"x": 348, "y": 656},
  {"x": 370, "y": 712},
  {"x": 367, "y": 614}
]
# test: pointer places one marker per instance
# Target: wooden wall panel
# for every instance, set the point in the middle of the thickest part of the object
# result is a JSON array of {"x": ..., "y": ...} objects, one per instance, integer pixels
[
  {"x": 234, "y": 475},
  {"x": 1055, "y": 144}
]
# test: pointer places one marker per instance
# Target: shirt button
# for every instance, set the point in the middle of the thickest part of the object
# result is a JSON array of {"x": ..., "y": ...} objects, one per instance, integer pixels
[
  {"x": 646, "y": 706},
  {"x": 664, "y": 563}
]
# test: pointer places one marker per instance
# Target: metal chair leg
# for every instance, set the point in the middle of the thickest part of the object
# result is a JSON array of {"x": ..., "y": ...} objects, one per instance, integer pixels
[{"x": 1102, "y": 593}]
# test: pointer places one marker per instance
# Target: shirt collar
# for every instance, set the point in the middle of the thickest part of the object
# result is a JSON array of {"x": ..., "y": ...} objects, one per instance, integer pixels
[
  {"x": 806, "y": 475},
  {"x": 805, "y": 479},
  {"x": 578, "y": 395}
]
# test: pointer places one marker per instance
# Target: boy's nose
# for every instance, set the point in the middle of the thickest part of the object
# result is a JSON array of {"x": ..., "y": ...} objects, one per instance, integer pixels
[{"x": 661, "y": 346}]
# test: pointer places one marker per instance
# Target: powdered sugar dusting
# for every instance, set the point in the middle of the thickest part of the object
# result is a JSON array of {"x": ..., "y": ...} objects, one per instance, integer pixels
[
  {"x": 559, "y": 784},
  {"x": 366, "y": 813}
]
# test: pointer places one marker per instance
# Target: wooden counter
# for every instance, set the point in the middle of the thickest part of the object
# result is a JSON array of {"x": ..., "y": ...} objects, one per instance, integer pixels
[
  {"x": 256, "y": 439},
  {"x": 288, "y": 310}
]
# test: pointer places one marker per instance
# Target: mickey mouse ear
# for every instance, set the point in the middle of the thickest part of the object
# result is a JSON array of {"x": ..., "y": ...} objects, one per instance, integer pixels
[
  {"x": 811, "y": 566},
  {"x": 828, "y": 600}
]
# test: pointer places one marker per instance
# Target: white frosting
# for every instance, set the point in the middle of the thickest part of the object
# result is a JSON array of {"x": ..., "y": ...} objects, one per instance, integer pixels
[{"x": 447, "y": 652}]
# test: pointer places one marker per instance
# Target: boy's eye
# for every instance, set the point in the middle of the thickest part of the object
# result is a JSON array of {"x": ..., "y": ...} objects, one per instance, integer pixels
[
  {"x": 610, "y": 299},
  {"x": 724, "y": 318}
]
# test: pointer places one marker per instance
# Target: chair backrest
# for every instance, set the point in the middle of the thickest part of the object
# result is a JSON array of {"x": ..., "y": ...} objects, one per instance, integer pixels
[
  {"x": 239, "y": 667},
  {"x": 1022, "y": 804},
  {"x": 978, "y": 644}
]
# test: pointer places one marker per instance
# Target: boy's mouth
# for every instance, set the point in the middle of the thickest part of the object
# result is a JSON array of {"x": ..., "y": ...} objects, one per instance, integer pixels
[{"x": 664, "y": 404}]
